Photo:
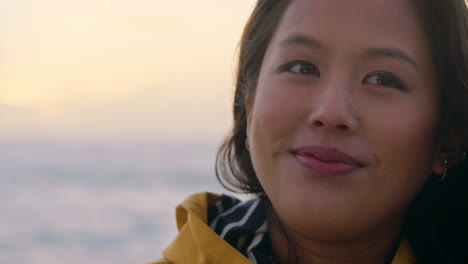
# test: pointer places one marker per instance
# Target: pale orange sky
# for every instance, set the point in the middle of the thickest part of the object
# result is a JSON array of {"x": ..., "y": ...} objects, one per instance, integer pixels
[{"x": 112, "y": 69}]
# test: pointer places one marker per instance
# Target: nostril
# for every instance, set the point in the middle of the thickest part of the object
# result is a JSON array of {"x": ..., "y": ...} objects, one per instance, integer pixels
[
  {"x": 318, "y": 123},
  {"x": 342, "y": 127}
]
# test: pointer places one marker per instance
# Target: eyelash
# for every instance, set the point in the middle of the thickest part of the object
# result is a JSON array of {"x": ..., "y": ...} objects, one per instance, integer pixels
[
  {"x": 395, "y": 82},
  {"x": 289, "y": 67}
]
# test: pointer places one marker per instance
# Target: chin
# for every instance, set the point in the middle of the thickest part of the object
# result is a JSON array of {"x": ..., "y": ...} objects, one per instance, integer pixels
[{"x": 322, "y": 224}]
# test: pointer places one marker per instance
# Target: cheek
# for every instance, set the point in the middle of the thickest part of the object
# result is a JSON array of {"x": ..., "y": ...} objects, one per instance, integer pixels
[
  {"x": 275, "y": 115},
  {"x": 404, "y": 137}
]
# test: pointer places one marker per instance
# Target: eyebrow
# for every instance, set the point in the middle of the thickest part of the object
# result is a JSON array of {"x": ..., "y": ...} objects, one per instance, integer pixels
[
  {"x": 301, "y": 40},
  {"x": 390, "y": 53},
  {"x": 310, "y": 42}
]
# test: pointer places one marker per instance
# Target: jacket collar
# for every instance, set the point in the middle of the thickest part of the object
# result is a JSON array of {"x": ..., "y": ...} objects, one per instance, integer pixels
[{"x": 198, "y": 243}]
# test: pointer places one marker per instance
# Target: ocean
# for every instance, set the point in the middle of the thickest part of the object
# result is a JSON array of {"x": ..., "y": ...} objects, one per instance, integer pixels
[{"x": 97, "y": 203}]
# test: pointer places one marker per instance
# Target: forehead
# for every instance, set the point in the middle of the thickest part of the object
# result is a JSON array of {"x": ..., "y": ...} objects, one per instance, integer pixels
[{"x": 364, "y": 22}]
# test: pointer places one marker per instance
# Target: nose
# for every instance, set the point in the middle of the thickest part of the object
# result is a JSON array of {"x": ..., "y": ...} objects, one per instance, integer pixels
[{"x": 332, "y": 111}]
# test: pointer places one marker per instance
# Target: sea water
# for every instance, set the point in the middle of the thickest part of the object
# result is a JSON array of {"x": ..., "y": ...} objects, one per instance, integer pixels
[{"x": 97, "y": 203}]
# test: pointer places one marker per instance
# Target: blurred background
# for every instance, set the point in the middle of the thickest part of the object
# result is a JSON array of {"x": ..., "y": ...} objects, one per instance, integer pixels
[{"x": 111, "y": 112}]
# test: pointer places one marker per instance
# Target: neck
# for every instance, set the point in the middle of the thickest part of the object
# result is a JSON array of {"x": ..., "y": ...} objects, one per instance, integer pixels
[{"x": 375, "y": 247}]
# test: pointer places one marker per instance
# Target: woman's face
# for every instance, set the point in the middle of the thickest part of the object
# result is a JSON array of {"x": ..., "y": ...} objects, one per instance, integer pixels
[{"x": 343, "y": 123}]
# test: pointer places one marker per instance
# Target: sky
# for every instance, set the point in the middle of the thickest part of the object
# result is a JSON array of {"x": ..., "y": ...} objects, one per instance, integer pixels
[
  {"x": 109, "y": 70},
  {"x": 118, "y": 69}
]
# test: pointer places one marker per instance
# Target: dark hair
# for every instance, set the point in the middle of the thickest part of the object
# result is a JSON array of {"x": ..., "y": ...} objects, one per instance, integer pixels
[
  {"x": 437, "y": 220},
  {"x": 233, "y": 165}
]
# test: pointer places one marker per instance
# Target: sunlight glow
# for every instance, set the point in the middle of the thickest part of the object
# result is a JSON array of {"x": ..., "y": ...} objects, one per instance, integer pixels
[{"x": 124, "y": 68}]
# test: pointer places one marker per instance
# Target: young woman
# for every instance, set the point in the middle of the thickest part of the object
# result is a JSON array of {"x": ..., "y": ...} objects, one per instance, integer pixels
[{"x": 350, "y": 128}]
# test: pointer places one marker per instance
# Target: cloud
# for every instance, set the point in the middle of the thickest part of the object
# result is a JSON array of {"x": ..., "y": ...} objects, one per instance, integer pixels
[
  {"x": 9, "y": 109},
  {"x": 16, "y": 114},
  {"x": 19, "y": 122},
  {"x": 5, "y": 108}
]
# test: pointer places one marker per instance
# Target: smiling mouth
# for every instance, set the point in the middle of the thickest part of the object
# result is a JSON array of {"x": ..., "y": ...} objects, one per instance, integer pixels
[{"x": 326, "y": 161}]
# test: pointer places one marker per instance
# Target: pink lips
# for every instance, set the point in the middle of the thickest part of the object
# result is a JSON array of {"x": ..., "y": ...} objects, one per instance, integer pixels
[{"x": 326, "y": 161}]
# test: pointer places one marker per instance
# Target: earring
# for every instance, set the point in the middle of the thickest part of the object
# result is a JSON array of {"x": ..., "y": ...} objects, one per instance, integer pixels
[
  {"x": 445, "y": 171},
  {"x": 463, "y": 156}
]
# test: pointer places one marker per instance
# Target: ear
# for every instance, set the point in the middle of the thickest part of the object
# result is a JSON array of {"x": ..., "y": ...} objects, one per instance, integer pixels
[
  {"x": 438, "y": 166},
  {"x": 451, "y": 150}
]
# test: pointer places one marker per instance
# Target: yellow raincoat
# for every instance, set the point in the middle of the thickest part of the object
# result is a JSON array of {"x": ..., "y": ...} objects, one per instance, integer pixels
[{"x": 196, "y": 243}]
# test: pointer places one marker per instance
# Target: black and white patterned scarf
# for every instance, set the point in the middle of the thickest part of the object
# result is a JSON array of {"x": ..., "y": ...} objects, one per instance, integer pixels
[{"x": 244, "y": 225}]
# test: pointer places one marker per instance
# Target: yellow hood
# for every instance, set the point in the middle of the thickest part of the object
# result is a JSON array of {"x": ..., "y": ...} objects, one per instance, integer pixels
[{"x": 196, "y": 243}]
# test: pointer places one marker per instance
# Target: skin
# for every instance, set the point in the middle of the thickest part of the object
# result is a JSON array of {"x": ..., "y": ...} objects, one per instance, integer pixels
[{"x": 336, "y": 91}]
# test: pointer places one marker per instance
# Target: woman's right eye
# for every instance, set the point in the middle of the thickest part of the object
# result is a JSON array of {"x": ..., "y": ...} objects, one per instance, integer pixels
[{"x": 302, "y": 67}]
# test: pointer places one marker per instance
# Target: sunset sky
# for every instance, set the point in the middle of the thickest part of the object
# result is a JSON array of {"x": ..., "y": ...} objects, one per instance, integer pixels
[{"x": 118, "y": 69}]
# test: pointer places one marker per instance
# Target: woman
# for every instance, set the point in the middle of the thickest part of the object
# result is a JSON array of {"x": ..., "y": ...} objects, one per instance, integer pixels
[{"x": 350, "y": 121}]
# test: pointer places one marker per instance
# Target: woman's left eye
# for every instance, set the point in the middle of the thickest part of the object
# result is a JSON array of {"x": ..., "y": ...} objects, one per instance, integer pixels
[{"x": 385, "y": 79}]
